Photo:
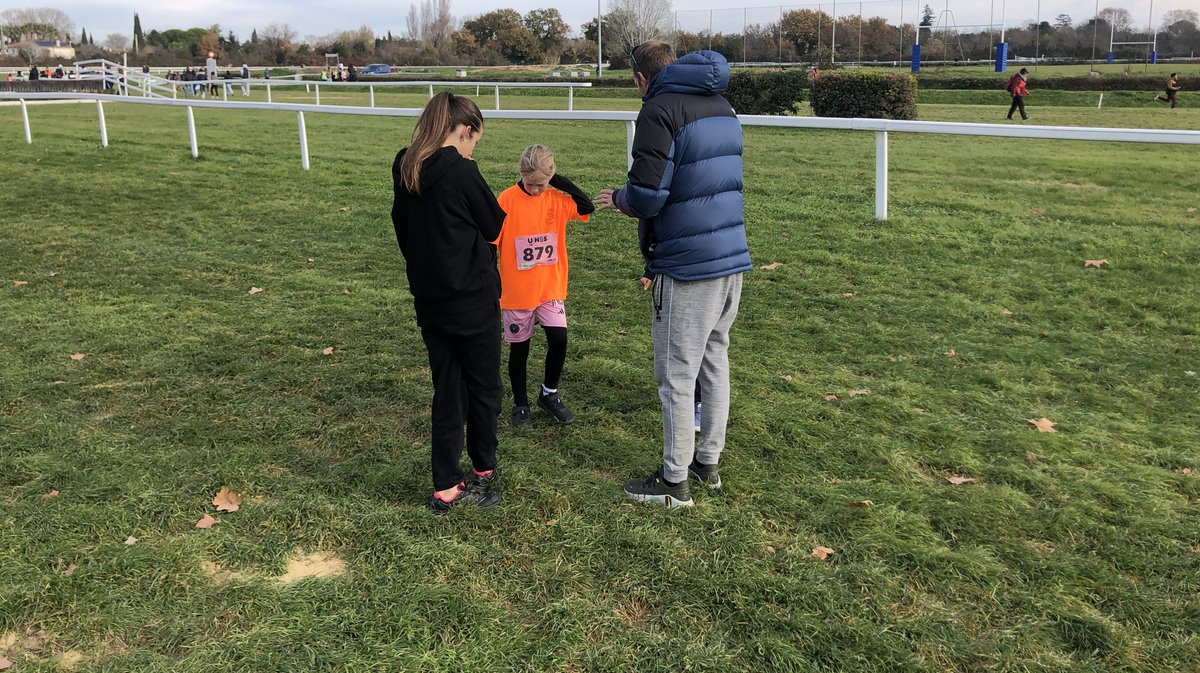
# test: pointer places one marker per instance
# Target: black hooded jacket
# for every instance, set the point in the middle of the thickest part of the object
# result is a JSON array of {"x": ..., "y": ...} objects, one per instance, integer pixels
[{"x": 445, "y": 235}]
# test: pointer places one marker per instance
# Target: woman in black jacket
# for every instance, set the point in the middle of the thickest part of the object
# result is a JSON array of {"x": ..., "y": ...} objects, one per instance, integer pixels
[{"x": 445, "y": 216}]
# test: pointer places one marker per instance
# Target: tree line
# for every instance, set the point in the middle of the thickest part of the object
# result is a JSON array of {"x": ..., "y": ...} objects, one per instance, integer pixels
[{"x": 434, "y": 36}]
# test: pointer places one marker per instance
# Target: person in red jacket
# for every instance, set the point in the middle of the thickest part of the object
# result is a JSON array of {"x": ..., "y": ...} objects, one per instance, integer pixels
[{"x": 1018, "y": 89}]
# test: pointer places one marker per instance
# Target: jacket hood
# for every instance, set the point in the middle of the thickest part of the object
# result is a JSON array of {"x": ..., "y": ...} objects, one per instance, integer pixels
[
  {"x": 437, "y": 165},
  {"x": 702, "y": 73}
]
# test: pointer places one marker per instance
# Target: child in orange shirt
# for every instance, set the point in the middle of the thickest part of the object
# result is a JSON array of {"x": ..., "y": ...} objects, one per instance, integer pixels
[{"x": 533, "y": 274}]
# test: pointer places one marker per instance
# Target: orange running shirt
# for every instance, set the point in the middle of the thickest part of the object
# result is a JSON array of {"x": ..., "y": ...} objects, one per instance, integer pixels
[{"x": 533, "y": 247}]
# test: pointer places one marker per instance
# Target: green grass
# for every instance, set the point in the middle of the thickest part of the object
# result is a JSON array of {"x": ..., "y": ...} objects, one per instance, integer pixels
[{"x": 1075, "y": 551}]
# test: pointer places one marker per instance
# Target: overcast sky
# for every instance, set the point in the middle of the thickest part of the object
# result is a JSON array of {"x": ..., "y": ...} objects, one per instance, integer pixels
[{"x": 101, "y": 17}]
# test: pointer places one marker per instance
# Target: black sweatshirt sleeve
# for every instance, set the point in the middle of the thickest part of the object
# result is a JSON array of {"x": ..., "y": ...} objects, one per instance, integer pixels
[
  {"x": 485, "y": 210},
  {"x": 583, "y": 204},
  {"x": 399, "y": 206}
]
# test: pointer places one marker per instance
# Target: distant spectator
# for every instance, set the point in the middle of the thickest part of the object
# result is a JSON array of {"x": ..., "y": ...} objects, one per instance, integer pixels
[
  {"x": 34, "y": 75},
  {"x": 351, "y": 73},
  {"x": 58, "y": 73},
  {"x": 266, "y": 73},
  {"x": 245, "y": 80},
  {"x": 1018, "y": 89}
]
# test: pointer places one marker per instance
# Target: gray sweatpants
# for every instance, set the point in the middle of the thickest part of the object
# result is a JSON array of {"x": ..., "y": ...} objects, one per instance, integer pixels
[{"x": 690, "y": 324}]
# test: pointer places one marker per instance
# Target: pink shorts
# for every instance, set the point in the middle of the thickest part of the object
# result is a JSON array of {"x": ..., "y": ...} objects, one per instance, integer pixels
[{"x": 518, "y": 325}]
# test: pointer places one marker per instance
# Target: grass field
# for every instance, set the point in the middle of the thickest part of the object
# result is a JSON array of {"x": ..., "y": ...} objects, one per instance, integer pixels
[{"x": 964, "y": 315}]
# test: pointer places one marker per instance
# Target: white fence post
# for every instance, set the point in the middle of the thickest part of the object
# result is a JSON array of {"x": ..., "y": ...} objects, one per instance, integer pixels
[
  {"x": 192, "y": 133},
  {"x": 303, "y": 141},
  {"x": 103, "y": 125},
  {"x": 570, "y": 98},
  {"x": 372, "y": 95},
  {"x": 630, "y": 130},
  {"x": 268, "y": 91},
  {"x": 431, "y": 91},
  {"x": 318, "y": 88},
  {"x": 25, "y": 118},
  {"x": 497, "y": 97},
  {"x": 881, "y": 175},
  {"x": 225, "y": 91}
]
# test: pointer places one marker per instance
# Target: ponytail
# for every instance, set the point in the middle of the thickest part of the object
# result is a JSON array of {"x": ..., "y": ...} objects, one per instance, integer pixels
[{"x": 442, "y": 114}]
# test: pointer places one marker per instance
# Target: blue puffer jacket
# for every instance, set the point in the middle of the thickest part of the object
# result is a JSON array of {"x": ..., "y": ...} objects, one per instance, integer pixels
[{"x": 685, "y": 184}]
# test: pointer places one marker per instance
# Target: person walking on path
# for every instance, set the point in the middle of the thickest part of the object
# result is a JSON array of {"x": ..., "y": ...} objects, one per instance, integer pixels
[
  {"x": 685, "y": 188},
  {"x": 1018, "y": 88},
  {"x": 446, "y": 217},
  {"x": 1172, "y": 90},
  {"x": 533, "y": 275}
]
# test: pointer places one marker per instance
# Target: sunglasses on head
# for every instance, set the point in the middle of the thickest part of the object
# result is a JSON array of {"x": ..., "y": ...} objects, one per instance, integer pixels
[{"x": 634, "y": 61}]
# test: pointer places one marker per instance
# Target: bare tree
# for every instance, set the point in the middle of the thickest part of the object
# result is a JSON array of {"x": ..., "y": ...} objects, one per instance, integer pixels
[
  {"x": 413, "y": 28},
  {"x": 1174, "y": 16},
  {"x": 277, "y": 39},
  {"x": 116, "y": 42},
  {"x": 431, "y": 23},
  {"x": 635, "y": 21},
  {"x": 1117, "y": 18},
  {"x": 47, "y": 16}
]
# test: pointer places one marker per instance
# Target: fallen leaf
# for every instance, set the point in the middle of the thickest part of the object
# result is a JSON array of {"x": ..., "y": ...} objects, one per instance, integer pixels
[
  {"x": 328, "y": 351},
  {"x": 919, "y": 410},
  {"x": 822, "y": 552},
  {"x": 78, "y": 356},
  {"x": 552, "y": 522},
  {"x": 1191, "y": 210},
  {"x": 770, "y": 549},
  {"x": 19, "y": 283},
  {"x": 311, "y": 260},
  {"x": 343, "y": 209},
  {"x": 346, "y": 290},
  {"x": 53, "y": 493},
  {"x": 1042, "y": 424},
  {"x": 950, "y": 353},
  {"x": 959, "y": 481},
  {"x": 835, "y": 481},
  {"x": 1032, "y": 457},
  {"x": 130, "y": 541},
  {"x": 832, "y": 398},
  {"x": 254, "y": 290},
  {"x": 858, "y": 392},
  {"x": 772, "y": 266},
  {"x": 787, "y": 377},
  {"x": 1189, "y": 373},
  {"x": 859, "y": 504},
  {"x": 70, "y": 570},
  {"x": 1005, "y": 312},
  {"x": 53, "y": 274},
  {"x": 1095, "y": 263},
  {"x": 847, "y": 295},
  {"x": 206, "y": 522},
  {"x": 226, "y": 500},
  {"x": 1185, "y": 470},
  {"x": 5, "y": 663}
]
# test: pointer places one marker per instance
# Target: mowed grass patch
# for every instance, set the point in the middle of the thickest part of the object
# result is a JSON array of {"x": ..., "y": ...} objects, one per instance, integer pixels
[{"x": 1074, "y": 550}]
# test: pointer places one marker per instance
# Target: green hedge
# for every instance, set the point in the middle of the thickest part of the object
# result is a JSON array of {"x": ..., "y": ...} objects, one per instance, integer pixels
[
  {"x": 863, "y": 93},
  {"x": 997, "y": 81},
  {"x": 774, "y": 92}
]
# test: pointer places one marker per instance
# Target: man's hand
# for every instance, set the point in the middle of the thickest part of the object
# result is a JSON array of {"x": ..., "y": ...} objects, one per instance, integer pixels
[
  {"x": 604, "y": 199},
  {"x": 646, "y": 283}
]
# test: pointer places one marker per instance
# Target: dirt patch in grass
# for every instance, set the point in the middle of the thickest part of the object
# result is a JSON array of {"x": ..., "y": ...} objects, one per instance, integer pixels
[
  {"x": 634, "y": 612},
  {"x": 220, "y": 575},
  {"x": 316, "y": 565}
]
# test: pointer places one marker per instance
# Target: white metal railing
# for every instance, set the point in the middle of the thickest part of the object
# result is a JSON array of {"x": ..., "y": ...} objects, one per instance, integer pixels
[
  {"x": 880, "y": 127},
  {"x": 123, "y": 79}
]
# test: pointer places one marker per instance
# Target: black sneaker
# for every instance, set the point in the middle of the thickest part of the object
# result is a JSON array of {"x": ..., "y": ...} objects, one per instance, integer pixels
[
  {"x": 654, "y": 489},
  {"x": 706, "y": 474},
  {"x": 480, "y": 482},
  {"x": 521, "y": 416},
  {"x": 482, "y": 498},
  {"x": 553, "y": 405}
]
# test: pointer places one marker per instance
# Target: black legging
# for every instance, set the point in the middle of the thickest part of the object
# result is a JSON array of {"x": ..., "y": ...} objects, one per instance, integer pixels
[
  {"x": 1018, "y": 103},
  {"x": 518, "y": 360}
]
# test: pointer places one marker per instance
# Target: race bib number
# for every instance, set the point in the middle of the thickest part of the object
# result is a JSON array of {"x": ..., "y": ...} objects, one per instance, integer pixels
[{"x": 537, "y": 250}]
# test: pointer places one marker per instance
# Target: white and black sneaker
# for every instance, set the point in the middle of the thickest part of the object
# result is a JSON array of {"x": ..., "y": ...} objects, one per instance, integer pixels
[
  {"x": 656, "y": 489},
  {"x": 705, "y": 474}
]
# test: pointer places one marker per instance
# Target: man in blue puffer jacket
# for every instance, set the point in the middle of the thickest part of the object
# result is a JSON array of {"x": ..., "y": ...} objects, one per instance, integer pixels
[{"x": 685, "y": 188}]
